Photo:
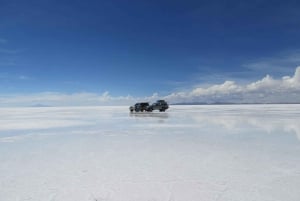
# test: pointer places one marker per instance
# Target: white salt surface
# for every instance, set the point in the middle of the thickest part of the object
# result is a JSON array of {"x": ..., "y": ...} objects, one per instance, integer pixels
[{"x": 207, "y": 153}]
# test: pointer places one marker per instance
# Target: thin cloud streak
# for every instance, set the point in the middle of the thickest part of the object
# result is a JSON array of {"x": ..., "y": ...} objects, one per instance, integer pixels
[
  {"x": 2, "y": 41},
  {"x": 281, "y": 64},
  {"x": 7, "y": 76},
  {"x": 8, "y": 51}
]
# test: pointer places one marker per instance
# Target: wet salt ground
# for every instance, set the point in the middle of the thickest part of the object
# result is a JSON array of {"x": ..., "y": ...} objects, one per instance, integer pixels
[{"x": 233, "y": 152}]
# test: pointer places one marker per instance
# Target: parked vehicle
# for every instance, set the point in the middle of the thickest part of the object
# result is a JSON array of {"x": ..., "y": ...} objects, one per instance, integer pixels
[
  {"x": 160, "y": 105},
  {"x": 139, "y": 107}
]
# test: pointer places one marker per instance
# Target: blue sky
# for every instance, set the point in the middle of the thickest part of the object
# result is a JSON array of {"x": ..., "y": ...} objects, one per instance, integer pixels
[{"x": 139, "y": 48}]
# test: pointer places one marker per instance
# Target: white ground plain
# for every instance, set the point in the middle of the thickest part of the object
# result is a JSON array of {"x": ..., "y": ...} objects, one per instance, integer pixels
[{"x": 205, "y": 153}]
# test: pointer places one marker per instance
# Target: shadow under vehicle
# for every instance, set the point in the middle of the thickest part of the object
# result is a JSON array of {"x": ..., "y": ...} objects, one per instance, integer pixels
[
  {"x": 150, "y": 115},
  {"x": 160, "y": 105}
]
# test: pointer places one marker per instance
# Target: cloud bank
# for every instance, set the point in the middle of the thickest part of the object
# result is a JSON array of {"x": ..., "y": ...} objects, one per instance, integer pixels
[{"x": 266, "y": 90}]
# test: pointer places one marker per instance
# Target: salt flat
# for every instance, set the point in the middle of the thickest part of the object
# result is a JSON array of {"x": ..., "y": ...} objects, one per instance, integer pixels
[{"x": 209, "y": 153}]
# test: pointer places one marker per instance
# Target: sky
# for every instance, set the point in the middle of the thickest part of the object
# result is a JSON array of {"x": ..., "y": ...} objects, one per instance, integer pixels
[{"x": 118, "y": 52}]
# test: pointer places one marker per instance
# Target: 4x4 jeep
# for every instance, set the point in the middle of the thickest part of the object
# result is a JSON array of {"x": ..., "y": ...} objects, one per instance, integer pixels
[
  {"x": 139, "y": 107},
  {"x": 160, "y": 105}
]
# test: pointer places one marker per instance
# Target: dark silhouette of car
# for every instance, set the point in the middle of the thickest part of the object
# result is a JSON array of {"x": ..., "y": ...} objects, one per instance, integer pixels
[
  {"x": 160, "y": 105},
  {"x": 139, "y": 107}
]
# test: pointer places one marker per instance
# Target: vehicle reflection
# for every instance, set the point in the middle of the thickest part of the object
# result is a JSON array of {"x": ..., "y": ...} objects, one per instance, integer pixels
[{"x": 158, "y": 115}]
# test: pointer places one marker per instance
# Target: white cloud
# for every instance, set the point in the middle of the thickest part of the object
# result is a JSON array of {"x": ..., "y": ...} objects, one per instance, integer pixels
[
  {"x": 225, "y": 88},
  {"x": 266, "y": 90},
  {"x": 286, "y": 84}
]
